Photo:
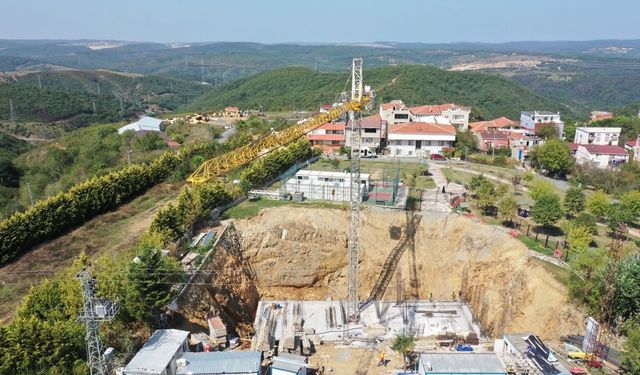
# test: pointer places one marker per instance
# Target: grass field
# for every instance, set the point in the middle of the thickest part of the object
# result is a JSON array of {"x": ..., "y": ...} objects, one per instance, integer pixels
[
  {"x": 559, "y": 273},
  {"x": 251, "y": 207}
]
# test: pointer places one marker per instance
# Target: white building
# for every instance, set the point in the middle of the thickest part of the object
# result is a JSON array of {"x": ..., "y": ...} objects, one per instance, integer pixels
[
  {"x": 325, "y": 185},
  {"x": 450, "y": 113},
  {"x": 289, "y": 364},
  {"x": 597, "y": 136},
  {"x": 144, "y": 123},
  {"x": 219, "y": 363},
  {"x": 373, "y": 133},
  {"x": 419, "y": 139},
  {"x": 159, "y": 354},
  {"x": 602, "y": 156},
  {"x": 636, "y": 150},
  {"x": 395, "y": 112},
  {"x": 532, "y": 120}
]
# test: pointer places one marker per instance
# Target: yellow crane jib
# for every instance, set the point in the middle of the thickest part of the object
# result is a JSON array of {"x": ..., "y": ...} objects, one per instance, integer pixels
[{"x": 224, "y": 163}]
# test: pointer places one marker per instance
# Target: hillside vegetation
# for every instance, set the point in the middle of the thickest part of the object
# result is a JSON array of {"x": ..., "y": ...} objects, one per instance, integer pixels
[
  {"x": 300, "y": 88},
  {"x": 167, "y": 93}
]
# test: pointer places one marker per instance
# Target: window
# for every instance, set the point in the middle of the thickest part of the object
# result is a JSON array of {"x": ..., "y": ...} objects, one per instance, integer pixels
[
  {"x": 410, "y": 152},
  {"x": 368, "y": 140},
  {"x": 401, "y": 116},
  {"x": 370, "y": 130},
  {"x": 411, "y": 143}
]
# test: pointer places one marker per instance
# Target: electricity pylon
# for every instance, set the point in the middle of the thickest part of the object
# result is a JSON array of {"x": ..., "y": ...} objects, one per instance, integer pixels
[{"x": 95, "y": 311}]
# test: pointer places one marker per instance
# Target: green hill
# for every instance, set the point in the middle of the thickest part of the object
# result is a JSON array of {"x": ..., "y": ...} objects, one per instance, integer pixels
[
  {"x": 300, "y": 88},
  {"x": 44, "y": 105},
  {"x": 165, "y": 92}
]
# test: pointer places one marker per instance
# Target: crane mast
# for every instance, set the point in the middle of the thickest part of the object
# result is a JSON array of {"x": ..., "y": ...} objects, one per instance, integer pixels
[{"x": 356, "y": 195}]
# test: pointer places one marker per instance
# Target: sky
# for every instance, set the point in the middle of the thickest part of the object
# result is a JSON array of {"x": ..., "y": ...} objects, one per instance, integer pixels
[{"x": 321, "y": 21}]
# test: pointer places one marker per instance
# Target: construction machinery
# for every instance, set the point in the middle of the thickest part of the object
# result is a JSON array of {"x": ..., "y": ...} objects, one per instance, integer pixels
[{"x": 361, "y": 96}]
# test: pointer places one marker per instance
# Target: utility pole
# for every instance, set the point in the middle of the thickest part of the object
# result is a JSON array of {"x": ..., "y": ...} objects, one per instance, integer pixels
[
  {"x": 171, "y": 83},
  {"x": 201, "y": 70},
  {"x": 95, "y": 311},
  {"x": 356, "y": 196},
  {"x": 12, "y": 112},
  {"x": 94, "y": 108},
  {"x": 121, "y": 105},
  {"x": 129, "y": 156},
  {"x": 30, "y": 193},
  {"x": 39, "y": 82},
  {"x": 98, "y": 87}
]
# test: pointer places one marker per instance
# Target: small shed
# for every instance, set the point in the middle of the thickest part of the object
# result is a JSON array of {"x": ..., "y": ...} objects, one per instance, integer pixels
[
  {"x": 287, "y": 364},
  {"x": 144, "y": 123},
  {"x": 159, "y": 354},
  {"x": 216, "y": 363},
  {"x": 460, "y": 363}
]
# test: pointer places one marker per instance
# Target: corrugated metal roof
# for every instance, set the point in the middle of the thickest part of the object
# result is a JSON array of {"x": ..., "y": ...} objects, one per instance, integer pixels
[
  {"x": 462, "y": 363},
  {"x": 155, "y": 354},
  {"x": 149, "y": 123},
  {"x": 221, "y": 363},
  {"x": 286, "y": 365}
]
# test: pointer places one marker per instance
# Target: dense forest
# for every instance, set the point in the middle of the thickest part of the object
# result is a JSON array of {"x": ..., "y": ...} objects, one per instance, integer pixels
[{"x": 300, "y": 88}]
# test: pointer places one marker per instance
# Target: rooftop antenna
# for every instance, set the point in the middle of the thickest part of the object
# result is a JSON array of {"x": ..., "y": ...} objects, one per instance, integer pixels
[
  {"x": 12, "y": 112},
  {"x": 95, "y": 311}
]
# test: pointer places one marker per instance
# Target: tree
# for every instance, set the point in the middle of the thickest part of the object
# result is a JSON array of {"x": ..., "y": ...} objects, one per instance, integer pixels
[
  {"x": 150, "y": 278},
  {"x": 9, "y": 174},
  {"x": 618, "y": 218},
  {"x": 630, "y": 203},
  {"x": 539, "y": 188},
  {"x": 528, "y": 176},
  {"x": 631, "y": 361},
  {"x": 574, "y": 200},
  {"x": 547, "y": 209},
  {"x": 626, "y": 303},
  {"x": 507, "y": 208},
  {"x": 554, "y": 156},
  {"x": 598, "y": 203},
  {"x": 476, "y": 181},
  {"x": 547, "y": 131},
  {"x": 487, "y": 196},
  {"x": 578, "y": 238},
  {"x": 466, "y": 142},
  {"x": 515, "y": 181},
  {"x": 404, "y": 345},
  {"x": 148, "y": 142},
  {"x": 586, "y": 220}
]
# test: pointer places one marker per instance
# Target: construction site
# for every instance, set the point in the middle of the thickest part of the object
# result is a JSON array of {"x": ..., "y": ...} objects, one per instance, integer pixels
[{"x": 349, "y": 263}]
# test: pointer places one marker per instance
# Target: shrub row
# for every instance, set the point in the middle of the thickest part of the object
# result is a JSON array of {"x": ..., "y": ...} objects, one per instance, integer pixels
[
  {"x": 264, "y": 169},
  {"x": 66, "y": 210},
  {"x": 175, "y": 219}
]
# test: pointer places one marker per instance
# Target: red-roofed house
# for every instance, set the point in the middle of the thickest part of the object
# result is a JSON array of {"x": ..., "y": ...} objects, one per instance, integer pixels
[
  {"x": 373, "y": 134},
  {"x": 457, "y": 115},
  {"x": 326, "y": 107},
  {"x": 631, "y": 144},
  {"x": 415, "y": 139},
  {"x": 492, "y": 139},
  {"x": 600, "y": 115},
  {"x": 602, "y": 156},
  {"x": 499, "y": 123},
  {"x": 329, "y": 137}
]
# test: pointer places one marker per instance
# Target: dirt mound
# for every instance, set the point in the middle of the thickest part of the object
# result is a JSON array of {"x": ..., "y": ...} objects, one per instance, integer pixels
[{"x": 301, "y": 253}]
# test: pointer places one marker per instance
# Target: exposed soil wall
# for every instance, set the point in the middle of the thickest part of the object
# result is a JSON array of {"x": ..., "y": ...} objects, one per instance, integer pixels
[
  {"x": 301, "y": 253},
  {"x": 225, "y": 287}
]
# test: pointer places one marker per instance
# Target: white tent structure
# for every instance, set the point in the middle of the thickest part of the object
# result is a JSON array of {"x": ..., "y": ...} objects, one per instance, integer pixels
[{"x": 144, "y": 123}]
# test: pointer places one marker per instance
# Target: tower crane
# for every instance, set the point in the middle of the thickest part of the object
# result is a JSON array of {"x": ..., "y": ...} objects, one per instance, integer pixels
[{"x": 361, "y": 96}]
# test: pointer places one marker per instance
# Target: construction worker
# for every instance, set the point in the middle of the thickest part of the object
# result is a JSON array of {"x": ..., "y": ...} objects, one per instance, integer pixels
[{"x": 381, "y": 360}]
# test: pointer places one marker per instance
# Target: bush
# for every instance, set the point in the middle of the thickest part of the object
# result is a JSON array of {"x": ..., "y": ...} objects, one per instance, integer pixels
[{"x": 67, "y": 210}]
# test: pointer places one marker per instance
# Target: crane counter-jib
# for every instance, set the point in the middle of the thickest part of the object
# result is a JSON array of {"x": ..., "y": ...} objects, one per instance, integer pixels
[{"x": 224, "y": 163}]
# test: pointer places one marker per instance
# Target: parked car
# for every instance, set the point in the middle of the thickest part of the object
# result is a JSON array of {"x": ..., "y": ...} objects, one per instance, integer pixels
[{"x": 437, "y": 157}]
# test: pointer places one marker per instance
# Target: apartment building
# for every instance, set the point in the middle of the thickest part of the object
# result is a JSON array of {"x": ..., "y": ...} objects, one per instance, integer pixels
[
  {"x": 395, "y": 112},
  {"x": 373, "y": 134},
  {"x": 329, "y": 137},
  {"x": 600, "y": 115},
  {"x": 419, "y": 139},
  {"x": 455, "y": 114},
  {"x": 597, "y": 136},
  {"x": 500, "y": 123},
  {"x": 531, "y": 120},
  {"x": 602, "y": 156}
]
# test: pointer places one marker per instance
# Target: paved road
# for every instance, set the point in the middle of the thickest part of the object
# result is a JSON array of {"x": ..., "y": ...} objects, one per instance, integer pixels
[{"x": 227, "y": 134}]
